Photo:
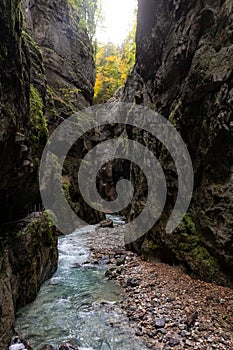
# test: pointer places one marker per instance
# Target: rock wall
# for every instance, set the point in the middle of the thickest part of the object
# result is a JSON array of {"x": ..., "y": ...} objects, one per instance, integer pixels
[
  {"x": 28, "y": 256},
  {"x": 183, "y": 70},
  {"x": 67, "y": 55},
  {"x": 14, "y": 102},
  {"x": 28, "y": 250}
]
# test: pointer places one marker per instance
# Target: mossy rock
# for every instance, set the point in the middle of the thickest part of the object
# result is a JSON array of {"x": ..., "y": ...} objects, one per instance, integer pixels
[{"x": 38, "y": 130}]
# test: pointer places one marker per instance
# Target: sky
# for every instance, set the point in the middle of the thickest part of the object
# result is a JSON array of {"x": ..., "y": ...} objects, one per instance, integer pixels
[{"x": 118, "y": 20}]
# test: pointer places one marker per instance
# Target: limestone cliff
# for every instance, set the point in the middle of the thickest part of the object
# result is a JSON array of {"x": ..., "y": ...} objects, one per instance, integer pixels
[
  {"x": 183, "y": 70},
  {"x": 67, "y": 55}
]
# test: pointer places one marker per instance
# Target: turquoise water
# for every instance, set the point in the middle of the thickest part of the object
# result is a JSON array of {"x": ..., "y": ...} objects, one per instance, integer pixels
[{"x": 78, "y": 305}]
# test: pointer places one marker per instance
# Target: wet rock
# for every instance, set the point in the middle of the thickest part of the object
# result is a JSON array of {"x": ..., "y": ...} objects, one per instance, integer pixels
[
  {"x": 48, "y": 347},
  {"x": 108, "y": 273},
  {"x": 133, "y": 282},
  {"x": 180, "y": 76},
  {"x": 160, "y": 323},
  {"x": 76, "y": 266},
  {"x": 120, "y": 261},
  {"x": 67, "y": 346},
  {"x": 104, "y": 260},
  {"x": 106, "y": 223},
  {"x": 16, "y": 344},
  {"x": 139, "y": 333}
]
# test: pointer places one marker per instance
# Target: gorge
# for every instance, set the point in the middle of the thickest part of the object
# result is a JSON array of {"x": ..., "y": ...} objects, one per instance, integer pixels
[{"x": 183, "y": 70}]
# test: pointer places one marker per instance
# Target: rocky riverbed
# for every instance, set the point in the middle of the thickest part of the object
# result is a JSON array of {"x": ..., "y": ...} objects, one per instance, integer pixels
[
  {"x": 166, "y": 307},
  {"x": 158, "y": 306}
]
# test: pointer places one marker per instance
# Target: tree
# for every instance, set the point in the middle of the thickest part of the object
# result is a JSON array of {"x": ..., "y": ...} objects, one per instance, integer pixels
[
  {"x": 90, "y": 13},
  {"x": 113, "y": 64}
]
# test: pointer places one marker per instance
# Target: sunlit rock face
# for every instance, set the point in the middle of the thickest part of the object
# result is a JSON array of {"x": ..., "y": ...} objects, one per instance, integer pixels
[
  {"x": 183, "y": 70},
  {"x": 67, "y": 54}
]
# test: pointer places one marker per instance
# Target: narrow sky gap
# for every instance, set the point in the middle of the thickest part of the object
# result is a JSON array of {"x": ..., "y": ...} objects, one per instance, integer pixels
[{"x": 119, "y": 16}]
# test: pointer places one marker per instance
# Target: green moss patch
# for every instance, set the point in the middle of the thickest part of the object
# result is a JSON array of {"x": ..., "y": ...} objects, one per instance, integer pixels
[{"x": 38, "y": 130}]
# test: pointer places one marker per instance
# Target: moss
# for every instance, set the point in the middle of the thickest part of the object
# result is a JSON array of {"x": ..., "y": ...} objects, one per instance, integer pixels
[
  {"x": 191, "y": 249},
  {"x": 151, "y": 245},
  {"x": 40, "y": 228},
  {"x": 187, "y": 225},
  {"x": 176, "y": 113},
  {"x": 61, "y": 105},
  {"x": 66, "y": 188},
  {"x": 38, "y": 130},
  {"x": 35, "y": 58}
]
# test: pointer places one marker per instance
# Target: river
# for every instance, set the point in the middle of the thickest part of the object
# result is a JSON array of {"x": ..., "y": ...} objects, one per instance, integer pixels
[{"x": 78, "y": 304}]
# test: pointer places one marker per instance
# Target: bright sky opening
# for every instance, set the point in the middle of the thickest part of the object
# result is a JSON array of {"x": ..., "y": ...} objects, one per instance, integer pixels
[{"x": 119, "y": 16}]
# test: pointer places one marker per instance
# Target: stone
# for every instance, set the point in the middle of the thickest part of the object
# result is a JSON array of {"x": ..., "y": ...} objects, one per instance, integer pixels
[
  {"x": 106, "y": 223},
  {"x": 132, "y": 282},
  {"x": 173, "y": 342},
  {"x": 190, "y": 320},
  {"x": 120, "y": 261},
  {"x": 160, "y": 323},
  {"x": 183, "y": 71},
  {"x": 189, "y": 343},
  {"x": 48, "y": 347},
  {"x": 108, "y": 273},
  {"x": 161, "y": 330},
  {"x": 67, "y": 346},
  {"x": 76, "y": 266},
  {"x": 184, "y": 333},
  {"x": 139, "y": 333},
  {"x": 104, "y": 260}
]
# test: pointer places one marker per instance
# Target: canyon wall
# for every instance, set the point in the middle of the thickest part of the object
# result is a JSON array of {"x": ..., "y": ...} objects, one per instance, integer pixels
[
  {"x": 46, "y": 74},
  {"x": 67, "y": 54},
  {"x": 183, "y": 70}
]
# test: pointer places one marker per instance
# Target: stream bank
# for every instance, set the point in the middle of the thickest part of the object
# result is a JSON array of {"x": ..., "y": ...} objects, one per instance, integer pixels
[
  {"x": 166, "y": 307},
  {"x": 79, "y": 305},
  {"x": 121, "y": 302}
]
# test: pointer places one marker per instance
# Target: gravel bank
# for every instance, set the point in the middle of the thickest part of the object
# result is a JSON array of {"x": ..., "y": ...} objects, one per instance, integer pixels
[{"x": 166, "y": 307}]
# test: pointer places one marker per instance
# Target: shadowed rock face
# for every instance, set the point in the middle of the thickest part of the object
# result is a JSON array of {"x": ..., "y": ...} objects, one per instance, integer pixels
[
  {"x": 46, "y": 72},
  {"x": 28, "y": 256},
  {"x": 14, "y": 110},
  {"x": 70, "y": 75},
  {"x": 183, "y": 70}
]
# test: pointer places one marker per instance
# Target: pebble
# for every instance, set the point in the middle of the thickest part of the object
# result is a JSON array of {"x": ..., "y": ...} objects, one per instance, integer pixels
[
  {"x": 139, "y": 333},
  {"x": 133, "y": 282},
  {"x": 167, "y": 308},
  {"x": 120, "y": 261},
  {"x": 174, "y": 342},
  {"x": 160, "y": 323},
  {"x": 104, "y": 260}
]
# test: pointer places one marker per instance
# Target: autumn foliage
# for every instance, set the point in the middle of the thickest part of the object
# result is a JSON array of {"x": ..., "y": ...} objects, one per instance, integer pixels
[{"x": 113, "y": 64}]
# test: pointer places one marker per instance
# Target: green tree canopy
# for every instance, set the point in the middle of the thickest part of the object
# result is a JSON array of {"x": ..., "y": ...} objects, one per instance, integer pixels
[{"x": 90, "y": 14}]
